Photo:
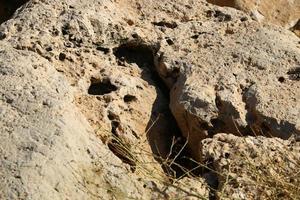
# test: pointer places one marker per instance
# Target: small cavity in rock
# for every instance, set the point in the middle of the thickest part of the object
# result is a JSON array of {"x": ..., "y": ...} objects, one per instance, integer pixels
[
  {"x": 281, "y": 79},
  {"x": 62, "y": 56},
  {"x": 170, "y": 41},
  {"x": 294, "y": 74},
  {"x": 2, "y": 36},
  {"x": 129, "y": 98},
  {"x": 171, "y": 25},
  {"x": 99, "y": 87},
  {"x": 103, "y": 49}
]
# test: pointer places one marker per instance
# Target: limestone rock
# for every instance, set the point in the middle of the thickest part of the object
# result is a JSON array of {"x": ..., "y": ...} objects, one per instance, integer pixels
[
  {"x": 232, "y": 76},
  {"x": 93, "y": 91},
  {"x": 284, "y": 13},
  {"x": 48, "y": 150},
  {"x": 254, "y": 167},
  {"x": 75, "y": 90}
]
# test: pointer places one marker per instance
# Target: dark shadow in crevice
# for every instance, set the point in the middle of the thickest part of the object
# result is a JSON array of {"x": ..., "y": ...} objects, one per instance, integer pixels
[
  {"x": 163, "y": 133},
  {"x": 227, "y": 3},
  {"x": 101, "y": 87},
  {"x": 8, "y": 8}
]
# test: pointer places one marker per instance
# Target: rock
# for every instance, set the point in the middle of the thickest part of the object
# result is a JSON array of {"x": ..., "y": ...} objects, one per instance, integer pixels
[
  {"x": 253, "y": 167},
  {"x": 231, "y": 93},
  {"x": 100, "y": 98},
  {"x": 281, "y": 12},
  {"x": 68, "y": 99},
  {"x": 44, "y": 149}
]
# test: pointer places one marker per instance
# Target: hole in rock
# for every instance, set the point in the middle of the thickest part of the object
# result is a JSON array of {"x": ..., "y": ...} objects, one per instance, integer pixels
[
  {"x": 170, "y": 41},
  {"x": 171, "y": 25},
  {"x": 281, "y": 79},
  {"x": 8, "y": 7},
  {"x": 114, "y": 126},
  {"x": 101, "y": 87},
  {"x": 62, "y": 56},
  {"x": 195, "y": 37},
  {"x": 141, "y": 55},
  {"x": 129, "y": 98},
  {"x": 103, "y": 49},
  {"x": 228, "y": 3}
]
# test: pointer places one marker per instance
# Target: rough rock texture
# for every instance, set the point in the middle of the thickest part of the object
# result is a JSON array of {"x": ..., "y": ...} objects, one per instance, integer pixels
[
  {"x": 48, "y": 150},
  {"x": 73, "y": 87},
  {"x": 93, "y": 91},
  {"x": 284, "y": 13},
  {"x": 254, "y": 167},
  {"x": 234, "y": 76}
]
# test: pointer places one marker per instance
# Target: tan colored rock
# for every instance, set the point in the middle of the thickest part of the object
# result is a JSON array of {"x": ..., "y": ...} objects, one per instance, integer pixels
[
  {"x": 231, "y": 87},
  {"x": 48, "y": 150},
  {"x": 254, "y": 167},
  {"x": 88, "y": 70},
  {"x": 78, "y": 44},
  {"x": 284, "y": 13}
]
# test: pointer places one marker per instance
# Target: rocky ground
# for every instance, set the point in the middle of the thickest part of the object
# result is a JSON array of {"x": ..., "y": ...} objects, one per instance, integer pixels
[{"x": 136, "y": 99}]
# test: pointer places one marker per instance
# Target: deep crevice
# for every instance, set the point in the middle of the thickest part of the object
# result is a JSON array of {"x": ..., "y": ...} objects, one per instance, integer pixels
[
  {"x": 164, "y": 135},
  {"x": 8, "y": 8}
]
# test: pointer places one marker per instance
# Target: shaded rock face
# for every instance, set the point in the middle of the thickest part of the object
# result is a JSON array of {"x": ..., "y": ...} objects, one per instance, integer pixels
[
  {"x": 8, "y": 7},
  {"x": 94, "y": 90},
  {"x": 296, "y": 28}
]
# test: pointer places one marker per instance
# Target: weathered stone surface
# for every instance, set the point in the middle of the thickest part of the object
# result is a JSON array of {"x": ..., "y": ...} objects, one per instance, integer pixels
[
  {"x": 254, "y": 167},
  {"x": 284, "y": 13},
  {"x": 50, "y": 121},
  {"x": 81, "y": 78},
  {"x": 228, "y": 75},
  {"x": 48, "y": 150}
]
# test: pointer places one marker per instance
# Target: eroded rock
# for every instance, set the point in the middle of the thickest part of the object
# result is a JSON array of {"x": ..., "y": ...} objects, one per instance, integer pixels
[
  {"x": 124, "y": 84},
  {"x": 254, "y": 167},
  {"x": 280, "y": 12},
  {"x": 226, "y": 88}
]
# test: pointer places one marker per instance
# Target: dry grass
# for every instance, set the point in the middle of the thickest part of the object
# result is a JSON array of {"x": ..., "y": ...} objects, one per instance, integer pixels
[{"x": 248, "y": 177}]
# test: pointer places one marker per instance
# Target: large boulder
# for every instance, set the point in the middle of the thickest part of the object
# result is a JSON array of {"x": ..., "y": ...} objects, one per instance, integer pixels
[
  {"x": 81, "y": 118},
  {"x": 230, "y": 74},
  {"x": 48, "y": 150},
  {"x": 99, "y": 98}
]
